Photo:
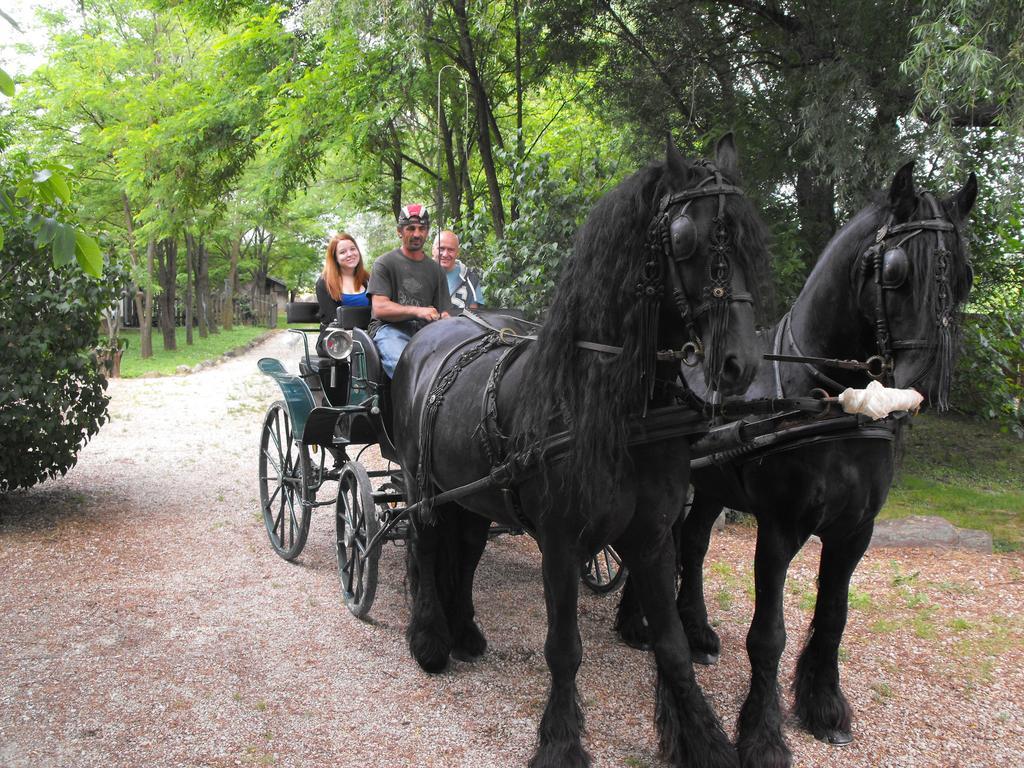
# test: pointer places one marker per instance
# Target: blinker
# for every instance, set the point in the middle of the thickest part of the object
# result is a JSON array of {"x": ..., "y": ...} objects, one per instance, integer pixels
[
  {"x": 895, "y": 266},
  {"x": 683, "y": 236}
]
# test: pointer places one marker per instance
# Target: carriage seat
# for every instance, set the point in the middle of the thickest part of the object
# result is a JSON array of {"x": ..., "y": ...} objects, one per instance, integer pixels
[
  {"x": 354, "y": 317},
  {"x": 302, "y": 312}
]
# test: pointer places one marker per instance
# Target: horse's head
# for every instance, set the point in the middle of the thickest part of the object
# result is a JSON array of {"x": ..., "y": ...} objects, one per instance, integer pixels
[
  {"x": 714, "y": 257},
  {"x": 913, "y": 280}
]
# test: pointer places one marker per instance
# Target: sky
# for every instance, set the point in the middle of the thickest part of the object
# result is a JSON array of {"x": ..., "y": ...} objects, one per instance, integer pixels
[{"x": 13, "y": 58}]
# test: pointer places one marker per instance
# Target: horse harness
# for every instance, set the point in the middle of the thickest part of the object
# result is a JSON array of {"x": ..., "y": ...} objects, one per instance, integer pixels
[
  {"x": 886, "y": 258},
  {"x": 509, "y": 468}
]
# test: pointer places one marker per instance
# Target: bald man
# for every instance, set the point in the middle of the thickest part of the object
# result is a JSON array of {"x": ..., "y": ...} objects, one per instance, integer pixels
[{"x": 463, "y": 282}]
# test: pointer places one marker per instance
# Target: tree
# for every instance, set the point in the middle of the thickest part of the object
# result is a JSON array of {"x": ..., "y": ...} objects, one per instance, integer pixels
[{"x": 165, "y": 115}]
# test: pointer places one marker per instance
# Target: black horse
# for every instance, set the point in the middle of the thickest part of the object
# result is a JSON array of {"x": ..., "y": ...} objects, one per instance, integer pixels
[
  {"x": 889, "y": 285},
  {"x": 580, "y": 436}
]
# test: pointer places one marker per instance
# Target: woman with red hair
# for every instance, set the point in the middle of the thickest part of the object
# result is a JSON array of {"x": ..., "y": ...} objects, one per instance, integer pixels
[{"x": 343, "y": 281}]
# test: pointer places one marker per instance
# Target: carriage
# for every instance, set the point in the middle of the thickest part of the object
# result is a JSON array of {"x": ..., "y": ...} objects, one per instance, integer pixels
[
  {"x": 333, "y": 407},
  {"x": 663, "y": 272}
]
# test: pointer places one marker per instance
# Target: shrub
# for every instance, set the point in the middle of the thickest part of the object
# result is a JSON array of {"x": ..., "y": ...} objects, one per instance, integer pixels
[
  {"x": 990, "y": 373},
  {"x": 51, "y": 394}
]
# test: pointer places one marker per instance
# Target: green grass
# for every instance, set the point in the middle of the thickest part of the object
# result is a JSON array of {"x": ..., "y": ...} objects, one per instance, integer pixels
[
  {"x": 965, "y": 471},
  {"x": 210, "y": 348}
]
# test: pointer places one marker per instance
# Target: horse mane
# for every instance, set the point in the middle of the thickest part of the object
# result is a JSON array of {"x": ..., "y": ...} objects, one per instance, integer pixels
[{"x": 594, "y": 394}]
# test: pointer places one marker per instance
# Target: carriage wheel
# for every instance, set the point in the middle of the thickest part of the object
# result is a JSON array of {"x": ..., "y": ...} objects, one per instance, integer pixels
[
  {"x": 356, "y": 523},
  {"x": 604, "y": 571},
  {"x": 286, "y": 484}
]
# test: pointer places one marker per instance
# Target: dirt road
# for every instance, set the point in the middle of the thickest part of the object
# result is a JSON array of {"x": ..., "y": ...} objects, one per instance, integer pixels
[{"x": 146, "y": 621}]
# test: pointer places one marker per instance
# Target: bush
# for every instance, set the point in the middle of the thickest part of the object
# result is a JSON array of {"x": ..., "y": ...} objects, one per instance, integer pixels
[
  {"x": 990, "y": 373},
  {"x": 51, "y": 394}
]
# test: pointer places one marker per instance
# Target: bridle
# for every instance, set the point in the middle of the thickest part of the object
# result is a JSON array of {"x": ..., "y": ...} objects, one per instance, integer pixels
[
  {"x": 889, "y": 262},
  {"x": 886, "y": 258},
  {"x": 671, "y": 240}
]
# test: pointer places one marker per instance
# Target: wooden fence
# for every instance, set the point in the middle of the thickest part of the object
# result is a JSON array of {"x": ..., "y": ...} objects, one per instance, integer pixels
[{"x": 246, "y": 310}]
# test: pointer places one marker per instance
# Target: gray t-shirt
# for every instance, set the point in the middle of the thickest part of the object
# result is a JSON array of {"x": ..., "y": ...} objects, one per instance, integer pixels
[{"x": 407, "y": 282}]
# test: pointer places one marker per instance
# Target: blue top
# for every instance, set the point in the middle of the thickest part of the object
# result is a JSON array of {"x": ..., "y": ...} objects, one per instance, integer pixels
[
  {"x": 355, "y": 299},
  {"x": 329, "y": 307}
]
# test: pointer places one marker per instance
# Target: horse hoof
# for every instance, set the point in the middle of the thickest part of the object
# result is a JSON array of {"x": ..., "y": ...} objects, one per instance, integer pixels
[
  {"x": 431, "y": 656},
  {"x": 432, "y": 664},
  {"x": 635, "y": 634},
  {"x": 560, "y": 755},
  {"x": 640, "y": 643},
  {"x": 835, "y": 738},
  {"x": 471, "y": 645},
  {"x": 705, "y": 658}
]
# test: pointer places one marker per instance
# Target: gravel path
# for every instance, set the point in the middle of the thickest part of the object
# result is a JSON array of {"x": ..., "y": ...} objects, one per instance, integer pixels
[{"x": 146, "y": 621}]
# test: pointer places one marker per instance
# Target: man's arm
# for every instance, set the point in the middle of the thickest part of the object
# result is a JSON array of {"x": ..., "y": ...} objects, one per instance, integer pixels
[{"x": 392, "y": 312}]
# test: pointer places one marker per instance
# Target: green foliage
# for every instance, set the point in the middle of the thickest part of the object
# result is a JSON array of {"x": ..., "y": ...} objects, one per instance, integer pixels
[
  {"x": 989, "y": 381},
  {"x": 51, "y": 393},
  {"x": 522, "y": 269},
  {"x": 990, "y": 373},
  {"x": 968, "y": 59}
]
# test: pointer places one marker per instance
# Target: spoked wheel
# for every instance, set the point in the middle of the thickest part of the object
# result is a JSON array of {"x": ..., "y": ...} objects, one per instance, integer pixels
[
  {"x": 287, "y": 486},
  {"x": 604, "y": 571},
  {"x": 356, "y": 524}
]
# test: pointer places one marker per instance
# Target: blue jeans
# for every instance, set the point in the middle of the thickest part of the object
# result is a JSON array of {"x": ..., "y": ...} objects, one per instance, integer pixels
[{"x": 391, "y": 339}]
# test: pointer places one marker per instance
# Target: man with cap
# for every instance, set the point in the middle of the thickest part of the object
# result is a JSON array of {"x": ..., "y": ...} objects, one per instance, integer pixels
[{"x": 407, "y": 289}]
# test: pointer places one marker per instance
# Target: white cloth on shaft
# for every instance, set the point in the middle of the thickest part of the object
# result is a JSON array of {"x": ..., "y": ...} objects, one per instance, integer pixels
[{"x": 878, "y": 402}]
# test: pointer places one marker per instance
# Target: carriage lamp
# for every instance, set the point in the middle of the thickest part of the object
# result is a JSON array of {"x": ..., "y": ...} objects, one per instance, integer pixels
[{"x": 338, "y": 343}]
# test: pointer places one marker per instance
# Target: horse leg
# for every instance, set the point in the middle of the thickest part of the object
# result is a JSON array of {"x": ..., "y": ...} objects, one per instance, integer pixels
[
  {"x": 468, "y": 642},
  {"x": 560, "y": 727},
  {"x": 429, "y": 637},
  {"x": 820, "y": 704},
  {"x": 629, "y": 619},
  {"x": 760, "y": 741},
  {"x": 690, "y": 732},
  {"x": 692, "y": 547}
]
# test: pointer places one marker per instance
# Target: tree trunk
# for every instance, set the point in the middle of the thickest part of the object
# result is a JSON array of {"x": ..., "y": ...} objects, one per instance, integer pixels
[
  {"x": 483, "y": 119},
  {"x": 167, "y": 273},
  {"x": 396, "y": 183},
  {"x": 190, "y": 260},
  {"x": 467, "y": 183},
  {"x": 453, "y": 175},
  {"x": 143, "y": 301},
  {"x": 207, "y": 323},
  {"x": 228, "y": 310},
  {"x": 520, "y": 148},
  {"x": 146, "y": 315},
  {"x": 816, "y": 211}
]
